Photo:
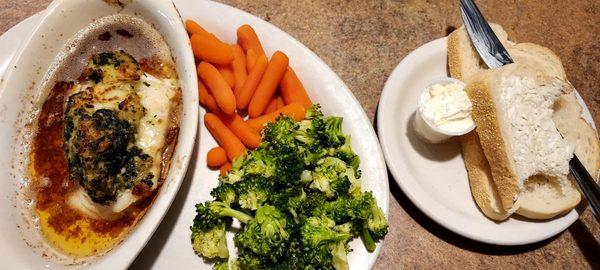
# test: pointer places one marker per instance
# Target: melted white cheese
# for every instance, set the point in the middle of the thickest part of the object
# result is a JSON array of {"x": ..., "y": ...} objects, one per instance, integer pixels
[{"x": 155, "y": 96}]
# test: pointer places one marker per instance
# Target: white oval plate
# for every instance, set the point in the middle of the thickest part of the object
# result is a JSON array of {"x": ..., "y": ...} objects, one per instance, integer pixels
[
  {"x": 41, "y": 39},
  {"x": 170, "y": 246},
  {"x": 434, "y": 177}
]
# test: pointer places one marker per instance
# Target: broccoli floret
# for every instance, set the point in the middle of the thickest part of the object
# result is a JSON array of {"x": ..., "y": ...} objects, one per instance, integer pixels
[
  {"x": 341, "y": 186},
  {"x": 330, "y": 177},
  {"x": 321, "y": 230},
  {"x": 280, "y": 132},
  {"x": 221, "y": 265},
  {"x": 327, "y": 130},
  {"x": 307, "y": 136},
  {"x": 290, "y": 164},
  {"x": 346, "y": 154},
  {"x": 248, "y": 260},
  {"x": 314, "y": 112},
  {"x": 313, "y": 201},
  {"x": 306, "y": 257},
  {"x": 253, "y": 191},
  {"x": 306, "y": 177},
  {"x": 339, "y": 254},
  {"x": 211, "y": 214},
  {"x": 355, "y": 187},
  {"x": 225, "y": 192},
  {"x": 208, "y": 230},
  {"x": 348, "y": 209},
  {"x": 266, "y": 235},
  {"x": 298, "y": 203},
  {"x": 290, "y": 199},
  {"x": 328, "y": 240},
  {"x": 377, "y": 223},
  {"x": 304, "y": 134},
  {"x": 210, "y": 243},
  {"x": 364, "y": 214},
  {"x": 303, "y": 186},
  {"x": 278, "y": 140},
  {"x": 236, "y": 173},
  {"x": 260, "y": 162},
  {"x": 333, "y": 131}
]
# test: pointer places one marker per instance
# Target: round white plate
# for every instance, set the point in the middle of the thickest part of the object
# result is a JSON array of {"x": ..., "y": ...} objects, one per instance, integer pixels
[
  {"x": 434, "y": 177},
  {"x": 170, "y": 246}
]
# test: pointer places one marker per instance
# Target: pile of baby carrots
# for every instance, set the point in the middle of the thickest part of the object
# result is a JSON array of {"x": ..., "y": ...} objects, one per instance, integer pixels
[{"x": 235, "y": 80}]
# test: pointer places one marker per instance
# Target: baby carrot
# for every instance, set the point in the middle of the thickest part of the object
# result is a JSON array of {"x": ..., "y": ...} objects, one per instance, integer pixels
[
  {"x": 244, "y": 94},
  {"x": 293, "y": 110},
  {"x": 208, "y": 47},
  {"x": 223, "y": 135},
  {"x": 268, "y": 84},
  {"x": 194, "y": 28},
  {"x": 218, "y": 87},
  {"x": 293, "y": 91},
  {"x": 272, "y": 105},
  {"x": 216, "y": 157},
  {"x": 225, "y": 169},
  {"x": 251, "y": 58},
  {"x": 248, "y": 39},
  {"x": 239, "y": 66},
  {"x": 279, "y": 102},
  {"x": 206, "y": 98},
  {"x": 250, "y": 137},
  {"x": 227, "y": 73}
]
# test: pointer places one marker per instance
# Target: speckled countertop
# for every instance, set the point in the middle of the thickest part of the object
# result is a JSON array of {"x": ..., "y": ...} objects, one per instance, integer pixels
[{"x": 364, "y": 40}]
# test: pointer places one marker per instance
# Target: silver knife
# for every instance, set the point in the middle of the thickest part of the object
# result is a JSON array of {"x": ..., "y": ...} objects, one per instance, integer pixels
[
  {"x": 484, "y": 40},
  {"x": 493, "y": 53}
]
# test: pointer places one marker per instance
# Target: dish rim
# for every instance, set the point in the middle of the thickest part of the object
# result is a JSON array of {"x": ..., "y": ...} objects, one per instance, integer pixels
[{"x": 140, "y": 233}]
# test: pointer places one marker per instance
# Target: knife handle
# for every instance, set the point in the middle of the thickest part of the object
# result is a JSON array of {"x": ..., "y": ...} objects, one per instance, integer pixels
[{"x": 588, "y": 186}]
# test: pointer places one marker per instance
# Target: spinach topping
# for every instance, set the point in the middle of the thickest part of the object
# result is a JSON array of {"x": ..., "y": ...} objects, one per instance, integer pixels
[{"x": 100, "y": 140}]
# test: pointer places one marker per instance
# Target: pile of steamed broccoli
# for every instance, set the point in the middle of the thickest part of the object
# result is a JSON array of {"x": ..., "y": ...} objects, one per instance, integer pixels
[{"x": 298, "y": 198}]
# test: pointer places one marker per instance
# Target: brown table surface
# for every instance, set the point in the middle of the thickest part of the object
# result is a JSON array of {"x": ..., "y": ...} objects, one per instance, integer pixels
[{"x": 364, "y": 40}]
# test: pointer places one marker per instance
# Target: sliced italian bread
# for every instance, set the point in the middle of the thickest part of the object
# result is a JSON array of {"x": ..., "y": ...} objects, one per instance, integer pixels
[
  {"x": 537, "y": 201},
  {"x": 568, "y": 120},
  {"x": 465, "y": 64},
  {"x": 483, "y": 188},
  {"x": 567, "y": 116},
  {"x": 513, "y": 108}
]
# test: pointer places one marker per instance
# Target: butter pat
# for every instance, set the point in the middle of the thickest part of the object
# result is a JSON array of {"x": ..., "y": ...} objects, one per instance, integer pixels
[{"x": 443, "y": 110}]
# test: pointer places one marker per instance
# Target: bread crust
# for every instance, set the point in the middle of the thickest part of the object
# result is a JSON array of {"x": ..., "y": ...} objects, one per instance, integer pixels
[
  {"x": 493, "y": 144},
  {"x": 454, "y": 55},
  {"x": 483, "y": 188},
  {"x": 569, "y": 200}
]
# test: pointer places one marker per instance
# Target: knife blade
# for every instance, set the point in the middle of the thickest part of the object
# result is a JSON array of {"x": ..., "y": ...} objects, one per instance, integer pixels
[
  {"x": 493, "y": 53},
  {"x": 483, "y": 37}
]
